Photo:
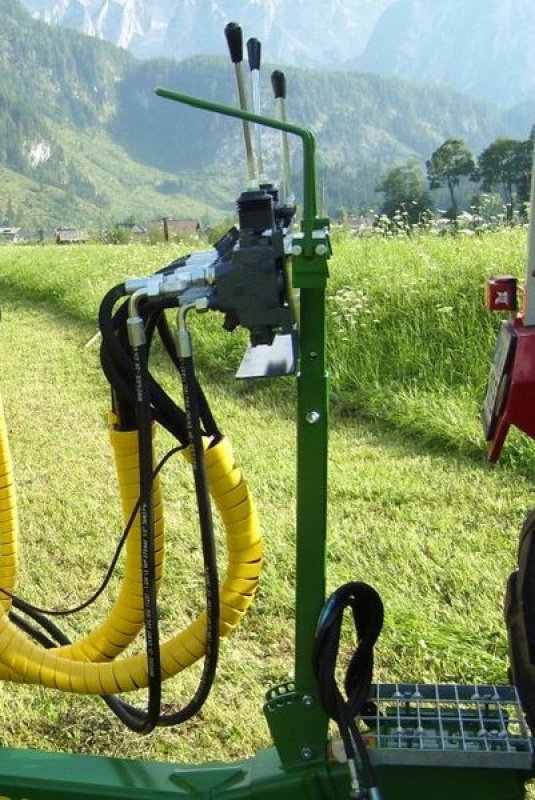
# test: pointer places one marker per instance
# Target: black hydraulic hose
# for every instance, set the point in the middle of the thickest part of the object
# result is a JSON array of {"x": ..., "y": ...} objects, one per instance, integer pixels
[
  {"x": 210, "y": 426},
  {"x": 211, "y": 580},
  {"x": 367, "y": 609},
  {"x": 38, "y": 615},
  {"x": 122, "y": 710},
  {"x": 137, "y": 720},
  {"x": 146, "y": 516},
  {"x": 110, "y": 342}
]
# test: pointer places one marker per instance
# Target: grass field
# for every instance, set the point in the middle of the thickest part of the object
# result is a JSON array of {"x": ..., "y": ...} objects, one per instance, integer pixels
[{"x": 414, "y": 507}]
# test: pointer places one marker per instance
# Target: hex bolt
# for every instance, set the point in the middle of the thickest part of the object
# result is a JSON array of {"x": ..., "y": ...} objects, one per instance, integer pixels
[
  {"x": 297, "y": 250},
  {"x": 313, "y": 355},
  {"x": 307, "y": 753},
  {"x": 308, "y": 700},
  {"x": 312, "y": 417},
  {"x": 321, "y": 249}
]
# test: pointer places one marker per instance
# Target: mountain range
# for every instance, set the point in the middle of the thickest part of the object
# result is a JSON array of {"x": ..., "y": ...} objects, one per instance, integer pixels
[
  {"x": 292, "y": 33},
  {"x": 482, "y": 47},
  {"x": 85, "y": 139}
]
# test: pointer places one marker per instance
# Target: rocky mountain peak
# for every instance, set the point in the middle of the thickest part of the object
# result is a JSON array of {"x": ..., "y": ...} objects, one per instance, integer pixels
[{"x": 304, "y": 32}]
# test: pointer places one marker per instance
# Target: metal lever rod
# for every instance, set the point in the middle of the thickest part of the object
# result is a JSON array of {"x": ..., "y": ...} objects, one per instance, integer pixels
[
  {"x": 254, "y": 52},
  {"x": 307, "y": 139},
  {"x": 278, "y": 82},
  {"x": 233, "y": 34}
]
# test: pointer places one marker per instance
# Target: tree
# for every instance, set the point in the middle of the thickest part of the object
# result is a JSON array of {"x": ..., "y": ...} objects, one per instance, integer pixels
[
  {"x": 451, "y": 161},
  {"x": 404, "y": 190},
  {"x": 502, "y": 164}
]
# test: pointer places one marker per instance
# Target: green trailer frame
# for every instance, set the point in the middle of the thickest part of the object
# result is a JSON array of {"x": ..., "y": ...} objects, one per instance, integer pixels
[{"x": 428, "y": 747}]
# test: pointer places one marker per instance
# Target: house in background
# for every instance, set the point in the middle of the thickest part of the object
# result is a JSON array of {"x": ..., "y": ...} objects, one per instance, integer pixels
[
  {"x": 10, "y": 235},
  {"x": 177, "y": 228},
  {"x": 184, "y": 227},
  {"x": 70, "y": 236}
]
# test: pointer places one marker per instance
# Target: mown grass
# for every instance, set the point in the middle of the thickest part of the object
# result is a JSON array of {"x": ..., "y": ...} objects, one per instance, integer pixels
[{"x": 413, "y": 506}]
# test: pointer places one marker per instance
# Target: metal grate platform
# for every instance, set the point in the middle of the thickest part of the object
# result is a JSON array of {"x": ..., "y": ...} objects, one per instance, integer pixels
[{"x": 447, "y": 724}]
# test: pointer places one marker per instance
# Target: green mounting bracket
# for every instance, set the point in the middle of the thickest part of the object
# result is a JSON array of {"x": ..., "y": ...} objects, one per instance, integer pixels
[
  {"x": 296, "y": 724},
  {"x": 307, "y": 272}
]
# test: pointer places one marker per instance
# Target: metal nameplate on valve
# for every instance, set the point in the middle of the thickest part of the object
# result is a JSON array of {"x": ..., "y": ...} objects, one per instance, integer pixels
[{"x": 498, "y": 381}]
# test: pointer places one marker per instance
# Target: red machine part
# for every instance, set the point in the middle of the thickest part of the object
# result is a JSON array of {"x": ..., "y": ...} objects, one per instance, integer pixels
[
  {"x": 502, "y": 293},
  {"x": 510, "y": 397}
]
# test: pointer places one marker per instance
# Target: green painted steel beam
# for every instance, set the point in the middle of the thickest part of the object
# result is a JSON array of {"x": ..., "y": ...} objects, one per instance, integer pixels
[{"x": 27, "y": 775}]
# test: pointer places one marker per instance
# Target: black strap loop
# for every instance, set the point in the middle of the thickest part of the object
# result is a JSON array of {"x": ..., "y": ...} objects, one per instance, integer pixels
[
  {"x": 367, "y": 609},
  {"x": 368, "y": 614}
]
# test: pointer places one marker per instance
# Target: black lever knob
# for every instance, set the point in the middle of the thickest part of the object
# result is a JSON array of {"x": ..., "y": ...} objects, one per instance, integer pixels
[
  {"x": 254, "y": 51},
  {"x": 278, "y": 82},
  {"x": 235, "y": 42}
]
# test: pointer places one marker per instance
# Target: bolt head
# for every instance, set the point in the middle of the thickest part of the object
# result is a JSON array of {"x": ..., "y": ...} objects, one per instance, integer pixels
[
  {"x": 312, "y": 417},
  {"x": 307, "y": 753}
]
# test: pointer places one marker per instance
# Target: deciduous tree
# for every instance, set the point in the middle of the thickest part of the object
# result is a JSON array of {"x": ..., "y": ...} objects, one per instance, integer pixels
[
  {"x": 447, "y": 165},
  {"x": 501, "y": 165},
  {"x": 404, "y": 190}
]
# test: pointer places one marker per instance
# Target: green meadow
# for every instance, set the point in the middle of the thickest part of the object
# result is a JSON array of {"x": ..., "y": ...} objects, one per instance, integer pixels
[{"x": 414, "y": 507}]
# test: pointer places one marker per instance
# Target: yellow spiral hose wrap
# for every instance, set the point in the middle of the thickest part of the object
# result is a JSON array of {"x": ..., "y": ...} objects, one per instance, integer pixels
[
  {"x": 91, "y": 666},
  {"x": 8, "y": 518}
]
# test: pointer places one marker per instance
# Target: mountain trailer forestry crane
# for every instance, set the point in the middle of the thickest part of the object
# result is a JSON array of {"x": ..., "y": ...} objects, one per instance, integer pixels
[{"x": 398, "y": 741}]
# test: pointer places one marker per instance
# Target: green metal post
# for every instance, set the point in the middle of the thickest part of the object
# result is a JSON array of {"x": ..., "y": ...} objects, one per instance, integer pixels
[
  {"x": 296, "y": 719},
  {"x": 312, "y": 433}
]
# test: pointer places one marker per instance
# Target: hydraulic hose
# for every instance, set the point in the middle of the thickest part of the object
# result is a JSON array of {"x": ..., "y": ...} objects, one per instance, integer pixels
[
  {"x": 211, "y": 581},
  {"x": 210, "y": 426},
  {"x": 93, "y": 664},
  {"x": 36, "y": 633},
  {"x": 136, "y": 334},
  {"x": 119, "y": 370},
  {"x": 130, "y": 715}
]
